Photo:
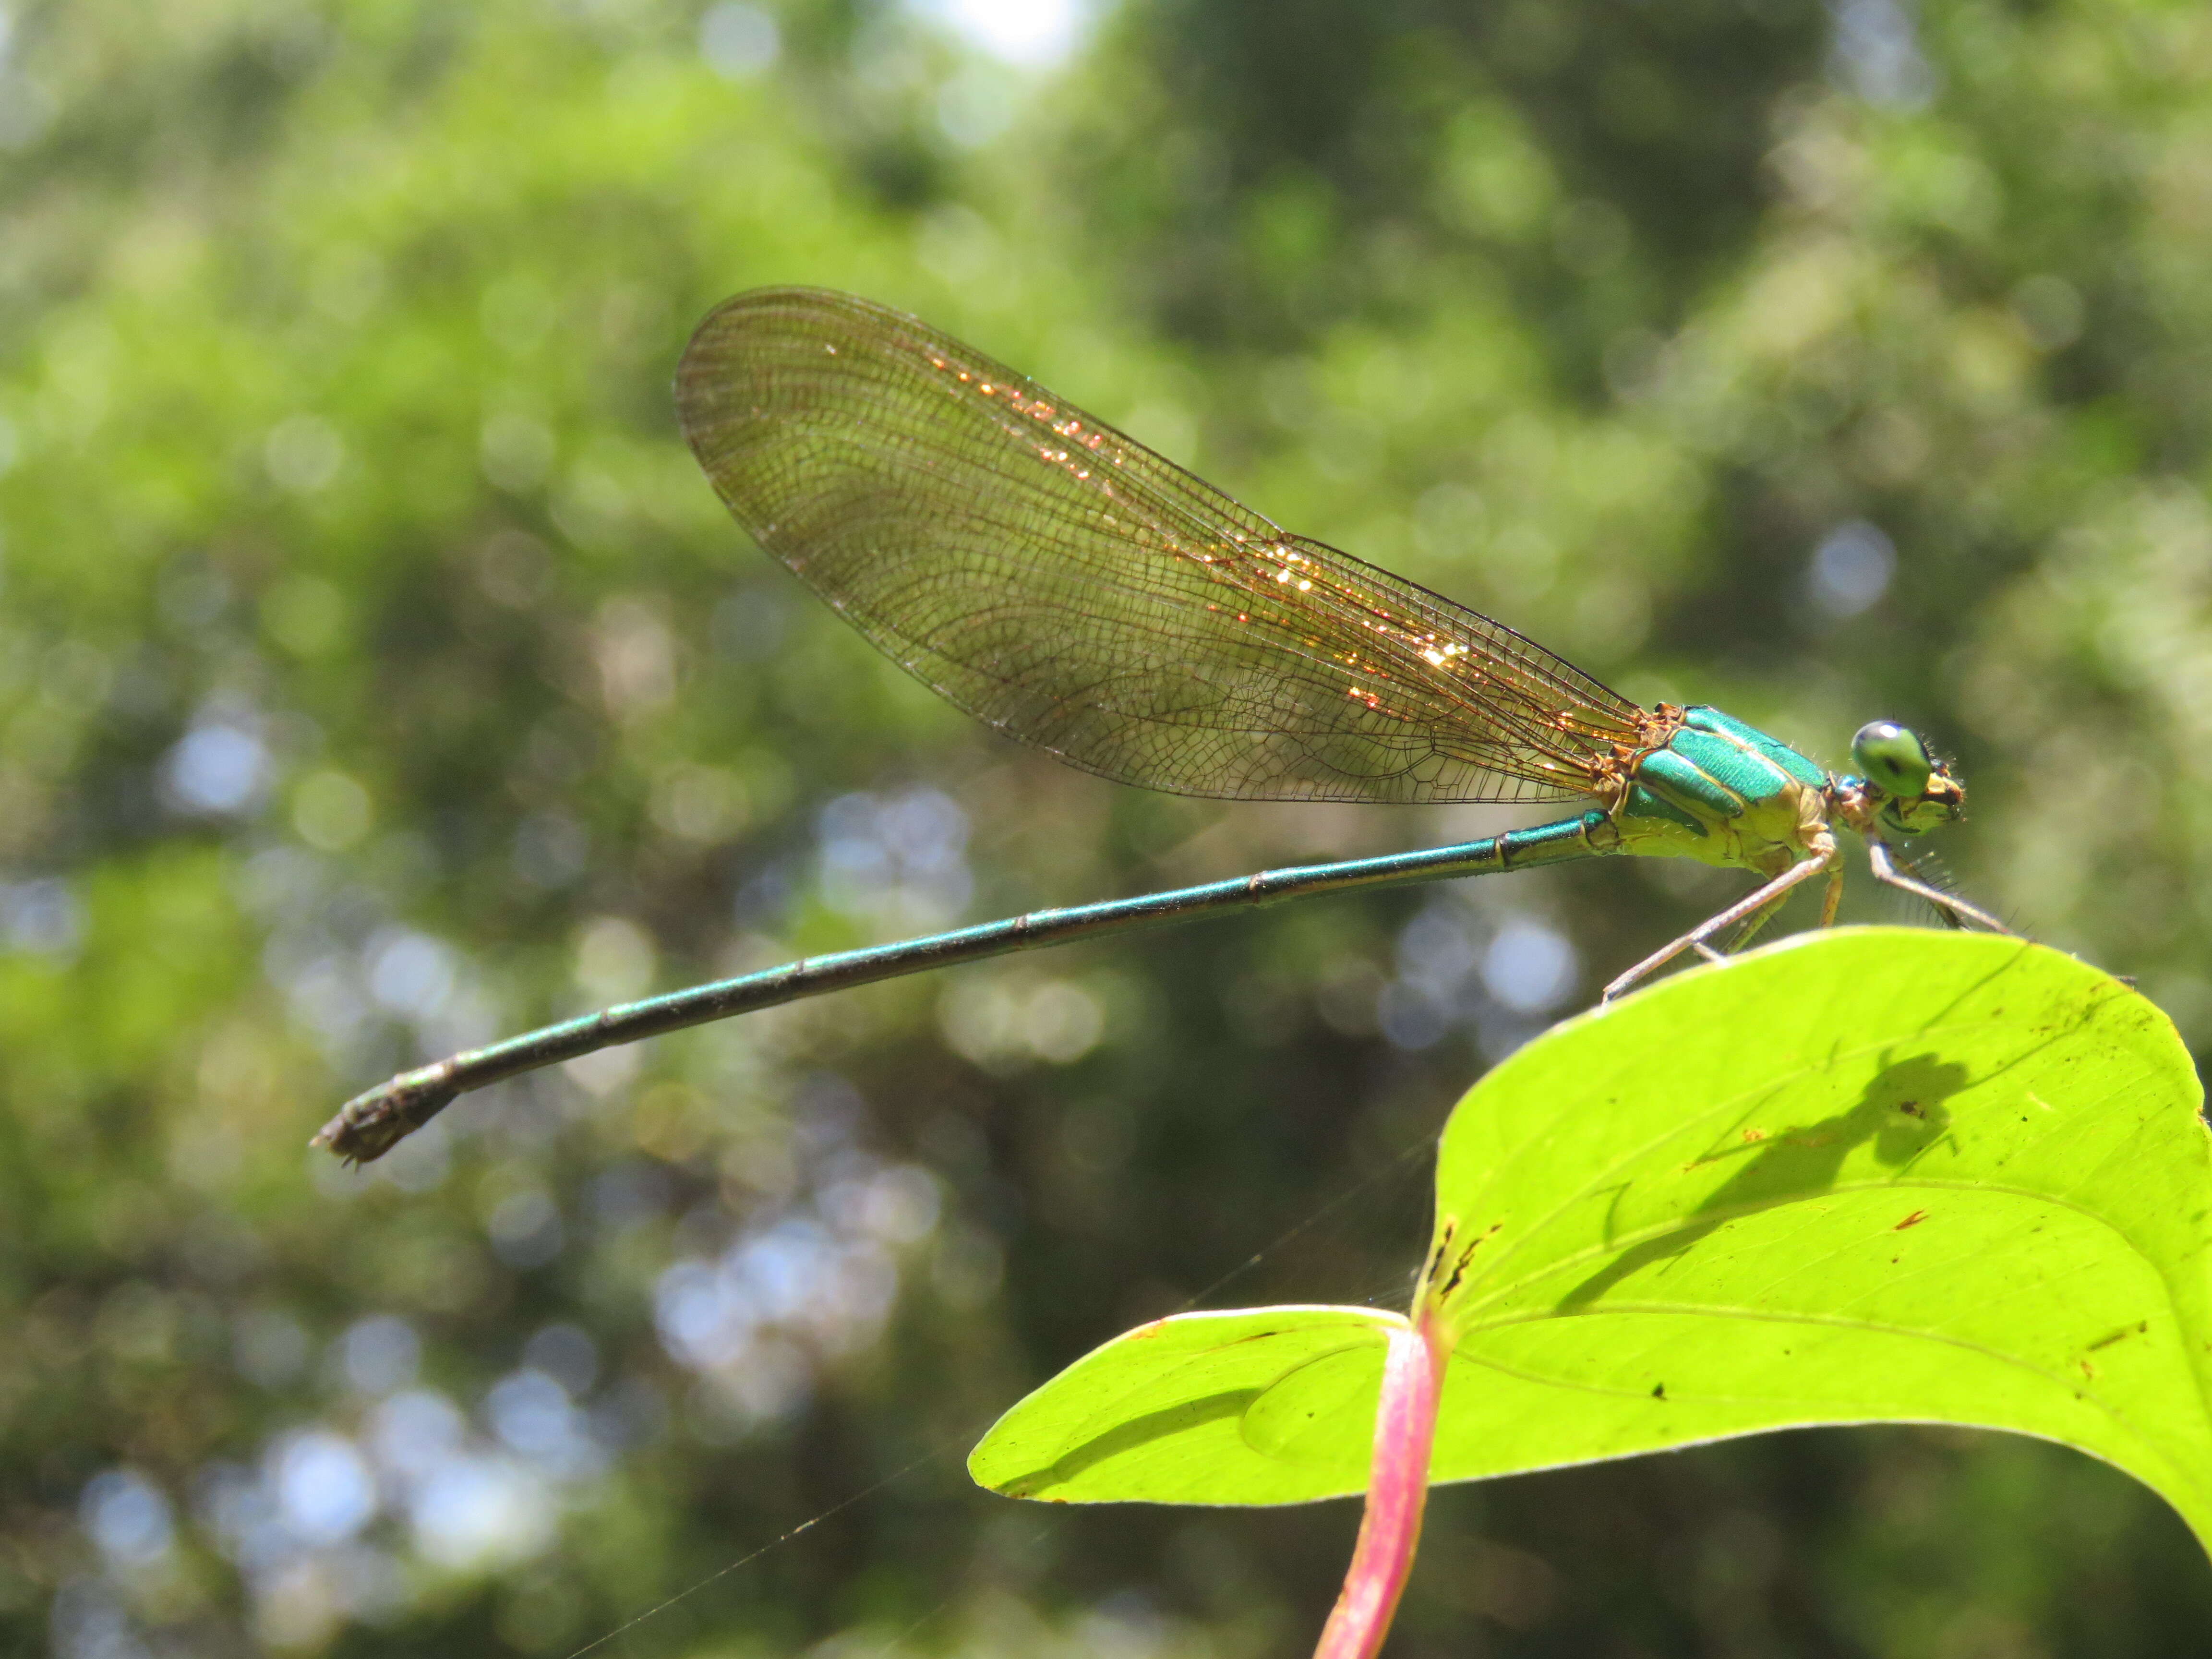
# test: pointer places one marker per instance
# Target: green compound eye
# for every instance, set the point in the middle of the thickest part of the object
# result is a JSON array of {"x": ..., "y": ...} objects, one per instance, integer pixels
[{"x": 1892, "y": 759}]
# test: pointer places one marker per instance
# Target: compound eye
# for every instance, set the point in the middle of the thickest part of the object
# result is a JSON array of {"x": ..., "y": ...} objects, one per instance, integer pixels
[{"x": 1894, "y": 760}]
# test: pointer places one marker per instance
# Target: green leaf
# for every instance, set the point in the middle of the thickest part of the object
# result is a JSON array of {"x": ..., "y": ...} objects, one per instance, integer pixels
[
  {"x": 1262, "y": 1407},
  {"x": 1875, "y": 1174}
]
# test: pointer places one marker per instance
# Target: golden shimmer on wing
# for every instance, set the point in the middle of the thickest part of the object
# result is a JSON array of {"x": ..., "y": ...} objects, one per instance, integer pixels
[{"x": 1064, "y": 583}]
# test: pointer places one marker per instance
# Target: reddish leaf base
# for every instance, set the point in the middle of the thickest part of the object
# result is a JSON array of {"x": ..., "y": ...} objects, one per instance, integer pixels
[{"x": 1397, "y": 1490}]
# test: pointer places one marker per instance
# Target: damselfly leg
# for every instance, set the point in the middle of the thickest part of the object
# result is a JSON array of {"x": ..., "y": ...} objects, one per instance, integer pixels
[
  {"x": 1765, "y": 899},
  {"x": 1952, "y": 907}
]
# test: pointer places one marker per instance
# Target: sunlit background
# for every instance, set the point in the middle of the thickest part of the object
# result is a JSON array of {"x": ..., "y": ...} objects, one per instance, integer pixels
[{"x": 378, "y": 677}]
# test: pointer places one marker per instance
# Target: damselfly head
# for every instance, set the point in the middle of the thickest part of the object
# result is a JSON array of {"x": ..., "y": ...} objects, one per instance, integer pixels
[{"x": 1917, "y": 792}]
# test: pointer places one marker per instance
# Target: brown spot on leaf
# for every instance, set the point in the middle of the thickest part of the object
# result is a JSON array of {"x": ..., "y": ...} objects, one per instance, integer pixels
[{"x": 2125, "y": 1331}]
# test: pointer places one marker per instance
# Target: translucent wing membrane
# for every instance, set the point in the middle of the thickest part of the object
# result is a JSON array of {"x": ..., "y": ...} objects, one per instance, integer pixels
[{"x": 1065, "y": 584}]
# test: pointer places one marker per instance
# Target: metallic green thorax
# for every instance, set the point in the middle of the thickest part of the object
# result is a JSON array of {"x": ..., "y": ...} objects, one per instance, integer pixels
[{"x": 1726, "y": 793}]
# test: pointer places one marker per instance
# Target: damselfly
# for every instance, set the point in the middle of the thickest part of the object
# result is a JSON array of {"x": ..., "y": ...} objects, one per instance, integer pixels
[{"x": 1064, "y": 584}]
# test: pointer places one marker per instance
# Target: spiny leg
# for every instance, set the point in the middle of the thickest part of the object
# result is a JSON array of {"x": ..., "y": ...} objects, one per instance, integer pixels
[
  {"x": 1746, "y": 931},
  {"x": 1948, "y": 909},
  {"x": 1878, "y": 856},
  {"x": 1748, "y": 928},
  {"x": 1765, "y": 898}
]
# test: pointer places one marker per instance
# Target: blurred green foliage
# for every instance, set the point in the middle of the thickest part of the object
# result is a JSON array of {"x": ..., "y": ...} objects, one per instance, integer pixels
[{"x": 377, "y": 675}]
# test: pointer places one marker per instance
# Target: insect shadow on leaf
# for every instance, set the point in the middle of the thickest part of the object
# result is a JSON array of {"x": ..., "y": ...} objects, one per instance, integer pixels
[{"x": 1901, "y": 1111}]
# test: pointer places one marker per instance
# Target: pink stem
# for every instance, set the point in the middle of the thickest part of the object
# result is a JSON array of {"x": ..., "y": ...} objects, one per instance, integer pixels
[{"x": 1397, "y": 1490}]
